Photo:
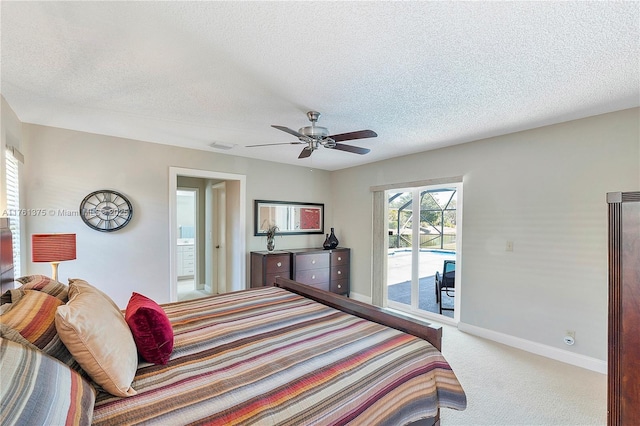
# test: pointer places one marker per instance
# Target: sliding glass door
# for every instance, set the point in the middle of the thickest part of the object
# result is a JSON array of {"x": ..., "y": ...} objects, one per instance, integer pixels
[{"x": 423, "y": 233}]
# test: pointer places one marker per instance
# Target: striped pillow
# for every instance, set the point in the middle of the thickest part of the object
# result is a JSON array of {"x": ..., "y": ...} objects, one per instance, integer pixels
[
  {"x": 38, "y": 390},
  {"x": 33, "y": 316},
  {"x": 46, "y": 285}
]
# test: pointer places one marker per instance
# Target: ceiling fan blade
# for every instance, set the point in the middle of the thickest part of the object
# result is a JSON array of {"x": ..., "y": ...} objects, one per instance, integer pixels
[
  {"x": 269, "y": 144},
  {"x": 351, "y": 148},
  {"x": 288, "y": 130},
  {"x": 361, "y": 134},
  {"x": 305, "y": 153}
]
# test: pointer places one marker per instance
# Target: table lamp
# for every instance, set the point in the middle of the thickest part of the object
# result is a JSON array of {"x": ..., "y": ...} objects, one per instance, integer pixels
[{"x": 53, "y": 248}]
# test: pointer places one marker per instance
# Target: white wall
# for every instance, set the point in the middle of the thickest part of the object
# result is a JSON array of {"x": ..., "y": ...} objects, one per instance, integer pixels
[
  {"x": 63, "y": 166},
  {"x": 544, "y": 190}
]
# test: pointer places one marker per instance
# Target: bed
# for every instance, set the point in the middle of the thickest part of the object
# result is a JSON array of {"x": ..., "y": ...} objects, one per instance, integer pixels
[{"x": 285, "y": 355}]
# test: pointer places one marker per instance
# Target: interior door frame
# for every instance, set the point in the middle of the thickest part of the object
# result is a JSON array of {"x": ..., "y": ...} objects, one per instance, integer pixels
[
  {"x": 196, "y": 227},
  {"x": 218, "y": 240},
  {"x": 235, "y": 232}
]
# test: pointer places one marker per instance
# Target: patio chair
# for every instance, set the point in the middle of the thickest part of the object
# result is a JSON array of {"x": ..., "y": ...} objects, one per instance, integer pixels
[{"x": 446, "y": 283}]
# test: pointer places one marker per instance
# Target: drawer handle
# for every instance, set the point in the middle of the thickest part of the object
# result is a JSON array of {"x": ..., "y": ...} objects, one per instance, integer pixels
[
  {"x": 339, "y": 286},
  {"x": 279, "y": 264},
  {"x": 313, "y": 261},
  {"x": 313, "y": 277},
  {"x": 339, "y": 272},
  {"x": 339, "y": 258}
]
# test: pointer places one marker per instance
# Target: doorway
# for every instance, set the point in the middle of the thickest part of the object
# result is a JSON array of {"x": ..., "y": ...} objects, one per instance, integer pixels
[
  {"x": 189, "y": 251},
  {"x": 219, "y": 230},
  {"x": 423, "y": 232}
]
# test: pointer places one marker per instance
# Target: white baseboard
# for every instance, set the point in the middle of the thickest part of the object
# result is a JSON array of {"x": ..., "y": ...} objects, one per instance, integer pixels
[{"x": 561, "y": 355}]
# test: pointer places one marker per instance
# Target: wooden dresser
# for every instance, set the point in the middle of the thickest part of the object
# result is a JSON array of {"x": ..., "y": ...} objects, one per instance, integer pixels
[
  {"x": 266, "y": 266},
  {"x": 340, "y": 263},
  {"x": 325, "y": 269},
  {"x": 624, "y": 309},
  {"x": 311, "y": 267}
]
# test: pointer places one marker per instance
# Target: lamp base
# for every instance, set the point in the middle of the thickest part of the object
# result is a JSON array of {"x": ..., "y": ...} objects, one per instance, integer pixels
[{"x": 54, "y": 270}]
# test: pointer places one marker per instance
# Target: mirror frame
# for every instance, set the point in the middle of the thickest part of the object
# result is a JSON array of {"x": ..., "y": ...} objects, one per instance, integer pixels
[{"x": 265, "y": 209}]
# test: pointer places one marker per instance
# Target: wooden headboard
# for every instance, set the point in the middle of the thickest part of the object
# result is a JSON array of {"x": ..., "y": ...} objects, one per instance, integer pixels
[{"x": 6, "y": 255}]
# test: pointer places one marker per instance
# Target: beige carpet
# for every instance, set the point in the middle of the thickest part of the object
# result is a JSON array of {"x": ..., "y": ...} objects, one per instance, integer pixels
[
  {"x": 193, "y": 294},
  {"x": 507, "y": 386},
  {"x": 187, "y": 291}
]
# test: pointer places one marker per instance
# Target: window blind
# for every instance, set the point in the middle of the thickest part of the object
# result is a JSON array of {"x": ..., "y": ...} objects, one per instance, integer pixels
[{"x": 13, "y": 204}]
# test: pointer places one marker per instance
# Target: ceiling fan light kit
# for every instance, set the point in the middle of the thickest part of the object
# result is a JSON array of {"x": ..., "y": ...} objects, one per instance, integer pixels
[{"x": 315, "y": 136}]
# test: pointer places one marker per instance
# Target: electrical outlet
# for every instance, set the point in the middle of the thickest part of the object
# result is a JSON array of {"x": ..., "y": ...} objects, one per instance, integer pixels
[{"x": 570, "y": 337}]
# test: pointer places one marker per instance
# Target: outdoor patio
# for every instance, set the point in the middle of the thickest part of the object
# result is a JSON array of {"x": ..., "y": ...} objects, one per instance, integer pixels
[{"x": 399, "y": 278}]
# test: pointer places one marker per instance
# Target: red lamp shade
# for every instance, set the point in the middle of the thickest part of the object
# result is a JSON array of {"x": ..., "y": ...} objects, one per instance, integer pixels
[{"x": 53, "y": 247}]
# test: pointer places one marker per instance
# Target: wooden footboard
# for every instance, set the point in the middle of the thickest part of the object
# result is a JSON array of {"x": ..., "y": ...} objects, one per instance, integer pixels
[{"x": 369, "y": 312}]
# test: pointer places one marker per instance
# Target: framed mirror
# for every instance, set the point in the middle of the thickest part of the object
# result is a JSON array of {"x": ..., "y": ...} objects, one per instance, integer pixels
[{"x": 290, "y": 217}]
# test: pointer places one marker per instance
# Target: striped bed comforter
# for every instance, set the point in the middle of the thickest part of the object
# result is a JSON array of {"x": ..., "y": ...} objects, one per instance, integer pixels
[{"x": 270, "y": 357}]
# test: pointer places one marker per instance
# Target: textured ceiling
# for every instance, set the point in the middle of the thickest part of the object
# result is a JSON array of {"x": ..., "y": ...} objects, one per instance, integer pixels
[{"x": 423, "y": 75}]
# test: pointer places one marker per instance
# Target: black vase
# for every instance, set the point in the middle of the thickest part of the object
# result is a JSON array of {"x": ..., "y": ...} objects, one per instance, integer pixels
[
  {"x": 333, "y": 241},
  {"x": 327, "y": 244}
]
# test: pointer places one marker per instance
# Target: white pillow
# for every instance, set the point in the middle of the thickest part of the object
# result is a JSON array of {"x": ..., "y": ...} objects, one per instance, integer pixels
[{"x": 94, "y": 330}]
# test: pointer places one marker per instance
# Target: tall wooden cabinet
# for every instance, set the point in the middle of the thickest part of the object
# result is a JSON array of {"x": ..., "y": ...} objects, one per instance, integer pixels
[
  {"x": 325, "y": 269},
  {"x": 624, "y": 309}
]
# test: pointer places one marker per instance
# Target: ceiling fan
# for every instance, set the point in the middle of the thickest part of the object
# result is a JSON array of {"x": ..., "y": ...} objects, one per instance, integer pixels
[{"x": 314, "y": 136}]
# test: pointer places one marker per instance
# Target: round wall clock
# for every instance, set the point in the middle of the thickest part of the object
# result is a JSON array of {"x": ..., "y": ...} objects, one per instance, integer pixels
[{"x": 106, "y": 210}]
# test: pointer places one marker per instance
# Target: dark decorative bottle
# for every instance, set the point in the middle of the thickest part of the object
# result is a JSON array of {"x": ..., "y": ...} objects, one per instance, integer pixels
[
  {"x": 327, "y": 244},
  {"x": 333, "y": 241}
]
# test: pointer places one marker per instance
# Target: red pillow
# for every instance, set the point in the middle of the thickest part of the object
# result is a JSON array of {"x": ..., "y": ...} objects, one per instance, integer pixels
[{"x": 151, "y": 329}]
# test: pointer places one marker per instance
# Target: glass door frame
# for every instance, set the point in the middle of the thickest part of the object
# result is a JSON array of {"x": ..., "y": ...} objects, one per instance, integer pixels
[{"x": 415, "y": 255}]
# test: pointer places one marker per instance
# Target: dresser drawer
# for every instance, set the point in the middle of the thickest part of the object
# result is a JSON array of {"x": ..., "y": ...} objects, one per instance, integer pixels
[
  {"x": 312, "y": 276},
  {"x": 340, "y": 287},
  {"x": 188, "y": 254},
  {"x": 340, "y": 272},
  {"x": 278, "y": 264},
  {"x": 312, "y": 261},
  {"x": 340, "y": 258}
]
